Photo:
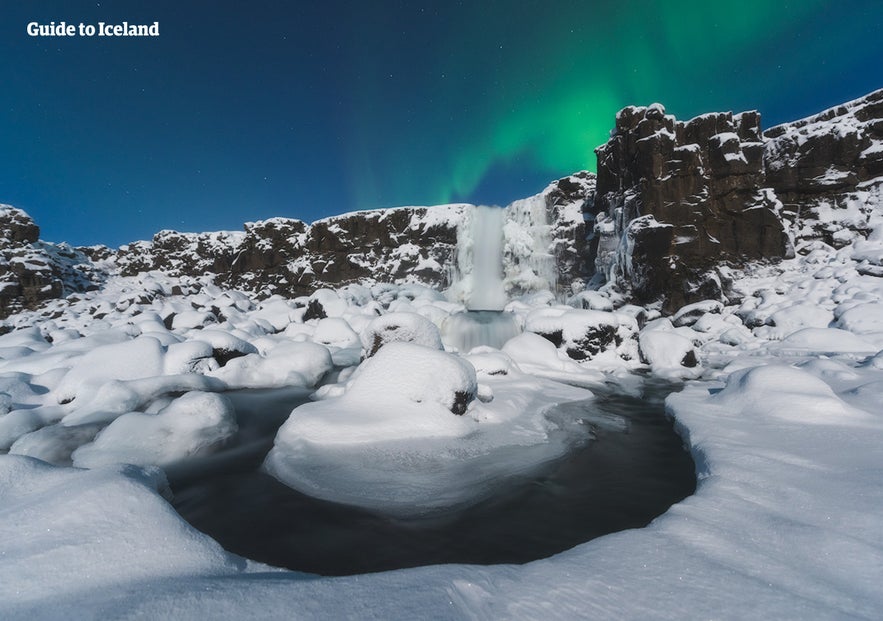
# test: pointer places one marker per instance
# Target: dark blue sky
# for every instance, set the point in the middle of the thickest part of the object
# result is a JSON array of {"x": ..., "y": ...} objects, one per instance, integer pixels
[{"x": 243, "y": 111}]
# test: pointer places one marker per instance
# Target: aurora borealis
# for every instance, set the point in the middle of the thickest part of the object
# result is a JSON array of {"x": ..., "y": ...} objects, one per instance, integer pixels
[{"x": 307, "y": 109}]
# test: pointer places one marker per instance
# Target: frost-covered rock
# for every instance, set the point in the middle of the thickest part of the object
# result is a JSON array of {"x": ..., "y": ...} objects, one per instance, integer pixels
[
  {"x": 828, "y": 170},
  {"x": 294, "y": 363},
  {"x": 583, "y": 334}
]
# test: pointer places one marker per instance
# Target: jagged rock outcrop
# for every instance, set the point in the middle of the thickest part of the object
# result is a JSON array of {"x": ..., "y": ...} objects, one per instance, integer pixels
[
  {"x": 191, "y": 254},
  {"x": 676, "y": 199},
  {"x": 828, "y": 170},
  {"x": 32, "y": 271},
  {"x": 568, "y": 200},
  {"x": 672, "y": 203},
  {"x": 289, "y": 257}
]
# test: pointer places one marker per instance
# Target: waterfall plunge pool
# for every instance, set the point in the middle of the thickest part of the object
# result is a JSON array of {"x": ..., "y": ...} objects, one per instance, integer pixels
[{"x": 631, "y": 470}]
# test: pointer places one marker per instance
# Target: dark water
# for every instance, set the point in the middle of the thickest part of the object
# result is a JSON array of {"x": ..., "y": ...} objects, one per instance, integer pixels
[{"x": 628, "y": 475}]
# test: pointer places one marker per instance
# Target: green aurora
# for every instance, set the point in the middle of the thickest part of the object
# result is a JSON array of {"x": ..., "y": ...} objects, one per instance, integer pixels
[{"x": 482, "y": 96}]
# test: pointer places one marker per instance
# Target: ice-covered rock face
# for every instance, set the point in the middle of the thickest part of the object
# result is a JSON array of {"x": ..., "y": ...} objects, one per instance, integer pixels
[{"x": 533, "y": 244}]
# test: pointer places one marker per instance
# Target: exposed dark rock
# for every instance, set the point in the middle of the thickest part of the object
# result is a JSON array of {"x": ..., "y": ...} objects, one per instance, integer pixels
[
  {"x": 687, "y": 196},
  {"x": 689, "y": 360},
  {"x": 690, "y": 314},
  {"x": 461, "y": 402},
  {"x": 597, "y": 339},
  {"x": 556, "y": 337},
  {"x": 568, "y": 201},
  {"x": 17, "y": 227},
  {"x": 32, "y": 272},
  {"x": 315, "y": 310},
  {"x": 223, "y": 356}
]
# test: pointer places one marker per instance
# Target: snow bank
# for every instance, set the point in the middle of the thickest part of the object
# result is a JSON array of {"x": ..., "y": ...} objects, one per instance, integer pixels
[
  {"x": 94, "y": 531},
  {"x": 140, "y": 357},
  {"x": 193, "y": 424},
  {"x": 668, "y": 353}
]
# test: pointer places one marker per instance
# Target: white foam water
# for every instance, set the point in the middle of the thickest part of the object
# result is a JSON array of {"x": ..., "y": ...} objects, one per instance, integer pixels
[
  {"x": 464, "y": 331},
  {"x": 503, "y": 252}
]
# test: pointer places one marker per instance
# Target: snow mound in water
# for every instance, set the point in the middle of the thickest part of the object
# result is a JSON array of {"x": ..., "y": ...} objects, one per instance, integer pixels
[{"x": 392, "y": 443}]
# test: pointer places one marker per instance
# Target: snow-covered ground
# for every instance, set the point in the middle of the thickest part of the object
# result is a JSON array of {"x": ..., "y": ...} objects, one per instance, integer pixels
[{"x": 780, "y": 410}]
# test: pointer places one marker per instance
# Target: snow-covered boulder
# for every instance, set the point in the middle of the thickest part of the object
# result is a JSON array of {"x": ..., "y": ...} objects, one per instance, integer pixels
[
  {"x": 137, "y": 358},
  {"x": 667, "y": 352},
  {"x": 391, "y": 442},
  {"x": 581, "y": 334},
  {"x": 293, "y": 363},
  {"x": 193, "y": 424},
  {"x": 400, "y": 327}
]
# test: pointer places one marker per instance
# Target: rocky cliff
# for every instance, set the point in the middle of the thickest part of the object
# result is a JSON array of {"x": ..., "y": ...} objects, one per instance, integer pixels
[
  {"x": 287, "y": 256},
  {"x": 677, "y": 201},
  {"x": 32, "y": 271},
  {"x": 827, "y": 170},
  {"x": 674, "y": 205}
]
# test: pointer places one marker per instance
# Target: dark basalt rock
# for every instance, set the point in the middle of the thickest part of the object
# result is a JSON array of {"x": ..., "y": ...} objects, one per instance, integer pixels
[
  {"x": 556, "y": 337},
  {"x": 597, "y": 339},
  {"x": 315, "y": 310},
  {"x": 223, "y": 356},
  {"x": 823, "y": 167},
  {"x": 32, "y": 272},
  {"x": 571, "y": 241},
  {"x": 17, "y": 227},
  {"x": 687, "y": 196},
  {"x": 461, "y": 402}
]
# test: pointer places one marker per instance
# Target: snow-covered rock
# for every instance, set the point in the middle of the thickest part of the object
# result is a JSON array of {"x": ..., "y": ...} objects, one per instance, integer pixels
[
  {"x": 193, "y": 424},
  {"x": 401, "y": 327}
]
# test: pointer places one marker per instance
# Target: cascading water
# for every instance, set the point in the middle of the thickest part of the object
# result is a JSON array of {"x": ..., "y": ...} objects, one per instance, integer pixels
[
  {"x": 478, "y": 281},
  {"x": 487, "y": 293},
  {"x": 503, "y": 253}
]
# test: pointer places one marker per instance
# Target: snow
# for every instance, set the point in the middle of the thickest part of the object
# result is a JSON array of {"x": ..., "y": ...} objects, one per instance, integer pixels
[
  {"x": 668, "y": 353},
  {"x": 193, "y": 424},
  {"x": 393, "y": 442},
  {"x": 287, "y": 364},
  {"x": 781, "y": 415},
  {"x": 140, "y": 357},
  {"x": 400, "y": 327}
]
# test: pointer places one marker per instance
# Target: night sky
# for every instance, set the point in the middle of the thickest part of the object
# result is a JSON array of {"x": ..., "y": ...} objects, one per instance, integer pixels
[{"x": 244, "y": 111}]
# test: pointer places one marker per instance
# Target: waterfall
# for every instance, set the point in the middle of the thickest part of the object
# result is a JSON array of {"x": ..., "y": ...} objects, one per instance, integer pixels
[
  {"x": 502, "y": 253},
  {"x": 487, "y": 260}
]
